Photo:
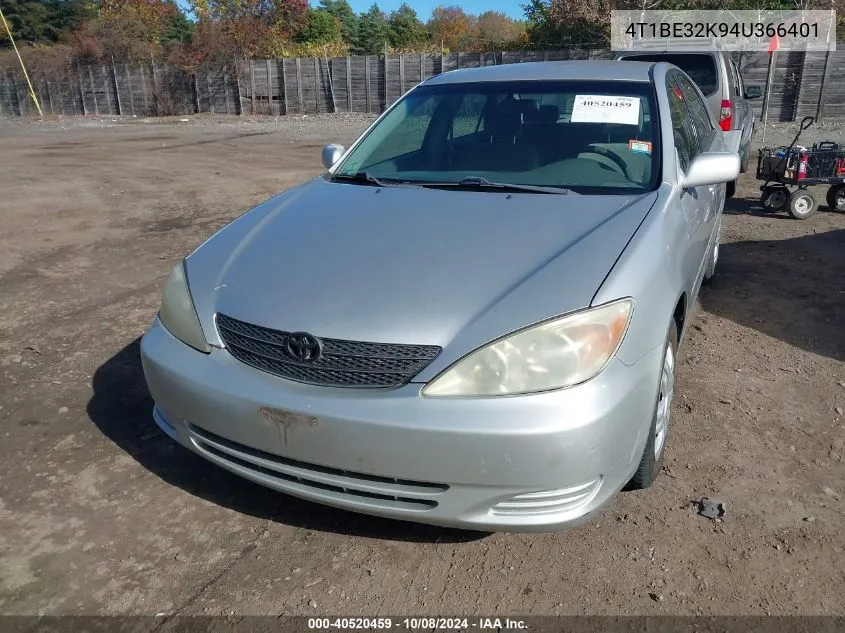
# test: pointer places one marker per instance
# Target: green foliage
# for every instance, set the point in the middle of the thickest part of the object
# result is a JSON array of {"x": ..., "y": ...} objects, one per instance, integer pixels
[
  {"x": 43, "y": 21},
  {"x": 321, "y": 27},
  {"x": 180, "y": 29},
  {"x": 342, "y": 10},
  {"x": 373, "y": 32},
  {"x": 405, "y": 27}
]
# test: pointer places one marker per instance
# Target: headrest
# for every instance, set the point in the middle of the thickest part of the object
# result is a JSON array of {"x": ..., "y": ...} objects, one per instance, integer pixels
[
  {"x": 528, "y": 108},
  {"x": 548, "y": 114},
  {"x": 504, "y": 122}
]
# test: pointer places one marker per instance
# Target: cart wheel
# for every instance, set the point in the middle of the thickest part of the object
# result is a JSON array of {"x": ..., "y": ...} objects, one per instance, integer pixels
[
  {"x": 836, "y": 198},
  {"x": 774, "y": 198},
  {"x": 802, "y": 204}
]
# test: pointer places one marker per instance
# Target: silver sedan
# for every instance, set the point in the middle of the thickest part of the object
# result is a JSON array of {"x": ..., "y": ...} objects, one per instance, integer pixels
[{"x": 471, "y": 319}]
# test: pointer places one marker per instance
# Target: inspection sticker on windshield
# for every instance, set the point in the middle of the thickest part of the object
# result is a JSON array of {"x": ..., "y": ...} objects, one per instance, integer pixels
[
  {"x": 639, "y": 147},
  {"x": 606, "y": 109}
]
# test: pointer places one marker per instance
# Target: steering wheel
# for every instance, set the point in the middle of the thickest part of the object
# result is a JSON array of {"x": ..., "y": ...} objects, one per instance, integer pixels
[{"x": 603, "y": 151}]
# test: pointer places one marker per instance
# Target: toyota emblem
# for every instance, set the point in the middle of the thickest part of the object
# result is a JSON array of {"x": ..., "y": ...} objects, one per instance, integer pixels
[{"x": 303, "y": 347}]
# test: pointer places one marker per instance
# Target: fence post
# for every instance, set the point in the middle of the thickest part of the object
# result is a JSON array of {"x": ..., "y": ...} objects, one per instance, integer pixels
[
  {"x": 106, "y": 87},
  {"x": 270, "y": 88},
  {"x": 208, "y": 92},
  {"x": 367, "y": 83},
  {"x": 764, "y": 114},
  {"x": 317, "y": 89},
  {"x": 157, "y": 111},
  {"x": 422, "y": 67},
  {"x": 226, "y": 92},
  {"x": 284, "y": 88},
  {"x": 81, "y": 91},
  {"x": 825, "y": 84},
  {"x": 128, "y": 77},
  {"x": 10, "y": 81},
  {"x": 349, "y": 83},
  {"x": 299, "y": 83},
  {"x": 383, "y": 104},
  {"x": 251, "y": 86},
  {"x": 93, "y": 91},
  {"x": 196, "y": 91},
  {"x": 49, "y": 96},
  {"x": 144, "y": 89},
  {"x": 239, "y": 105},
  {"x": 402, "y": 72},
  {"x": 116, "y": 88}
]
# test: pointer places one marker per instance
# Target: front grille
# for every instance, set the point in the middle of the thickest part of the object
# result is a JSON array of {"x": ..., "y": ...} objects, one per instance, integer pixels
[
  {"x": 293, "y": 475},
  {"x": 342, "y": 363}
]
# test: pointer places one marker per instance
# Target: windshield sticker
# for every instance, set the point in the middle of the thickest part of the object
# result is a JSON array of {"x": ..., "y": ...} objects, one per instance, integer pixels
[
  {"x": 639, "y": 147},
  {"x": 606, "y": 109}
]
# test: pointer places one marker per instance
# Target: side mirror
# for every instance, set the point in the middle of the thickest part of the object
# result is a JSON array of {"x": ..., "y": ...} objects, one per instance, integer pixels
[
  {"x": 753, "y": 92},
  {"x": 712, "y": 168},
  {"x": 331, "y": 154}
]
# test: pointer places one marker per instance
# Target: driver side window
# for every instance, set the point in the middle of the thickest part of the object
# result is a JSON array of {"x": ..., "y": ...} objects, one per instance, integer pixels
[{"x": 686, "y": 142}]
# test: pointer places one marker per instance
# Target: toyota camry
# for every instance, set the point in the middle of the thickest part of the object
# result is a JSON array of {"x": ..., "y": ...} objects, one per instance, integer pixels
[{"x": 472, "y": 318}]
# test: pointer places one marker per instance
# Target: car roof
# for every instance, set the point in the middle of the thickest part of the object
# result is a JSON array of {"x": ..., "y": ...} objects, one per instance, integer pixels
[{"x": 581, "y": 70}]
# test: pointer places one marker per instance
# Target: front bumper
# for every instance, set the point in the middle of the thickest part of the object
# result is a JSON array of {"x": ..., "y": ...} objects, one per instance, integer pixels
[{"x": 539, "y": 462}]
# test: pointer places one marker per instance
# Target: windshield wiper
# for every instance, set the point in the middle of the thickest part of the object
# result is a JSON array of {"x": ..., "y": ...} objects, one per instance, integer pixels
[
  {"x": 480, "y": 183},
  {"x": 363, "y": 177}
]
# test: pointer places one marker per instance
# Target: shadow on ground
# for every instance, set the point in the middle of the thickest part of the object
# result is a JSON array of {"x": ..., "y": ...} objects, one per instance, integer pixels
[
  {"x": 791, "y": 289},
  {"x": 121, "y": 408}
]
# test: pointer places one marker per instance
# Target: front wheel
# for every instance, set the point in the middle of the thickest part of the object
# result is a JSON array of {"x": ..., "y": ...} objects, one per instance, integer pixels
[
  {"x": 710, "y": 270},
  {"x": 652, "y": 458},
  {"x": 802, "y": 204}
]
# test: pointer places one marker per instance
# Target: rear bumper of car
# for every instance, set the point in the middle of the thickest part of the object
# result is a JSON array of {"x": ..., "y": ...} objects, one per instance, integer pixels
[{"x": 540, "y": 462}]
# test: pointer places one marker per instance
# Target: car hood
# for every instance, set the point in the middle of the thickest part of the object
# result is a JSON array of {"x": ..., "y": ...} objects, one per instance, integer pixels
[{"x": 410, "y": 265}]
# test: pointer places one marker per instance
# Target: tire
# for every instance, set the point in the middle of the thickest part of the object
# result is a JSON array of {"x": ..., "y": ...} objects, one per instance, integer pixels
[
  {"x": 712, "y": 260},
  {"x": 731, "y": 189},
  {"x": 835, "y": 198},
  {"x": 655, "y": 447},
  {"x": 774, "y": 198},
  {"x": 802, "y": 204}
]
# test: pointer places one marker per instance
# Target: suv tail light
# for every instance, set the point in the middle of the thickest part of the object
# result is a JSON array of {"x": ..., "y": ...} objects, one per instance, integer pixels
[{"x": 726, "y": 115}]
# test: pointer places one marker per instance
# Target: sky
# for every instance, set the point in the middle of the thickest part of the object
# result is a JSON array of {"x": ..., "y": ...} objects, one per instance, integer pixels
[{"x": 513, "y": 8}]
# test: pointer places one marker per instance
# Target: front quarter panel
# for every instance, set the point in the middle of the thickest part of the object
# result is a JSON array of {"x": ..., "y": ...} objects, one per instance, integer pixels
[{"x": 651, "y": 271}]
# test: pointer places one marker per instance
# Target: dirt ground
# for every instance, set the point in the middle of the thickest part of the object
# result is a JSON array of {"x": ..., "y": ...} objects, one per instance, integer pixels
[{"x": 102, "y": 514}]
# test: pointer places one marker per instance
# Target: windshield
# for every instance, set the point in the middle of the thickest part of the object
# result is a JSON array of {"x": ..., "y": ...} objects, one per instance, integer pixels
[{"x": 590, "y": 137}]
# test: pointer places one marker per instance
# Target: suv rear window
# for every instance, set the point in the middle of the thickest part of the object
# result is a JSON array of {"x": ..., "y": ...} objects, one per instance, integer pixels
[{"x": 700, "y": 68}]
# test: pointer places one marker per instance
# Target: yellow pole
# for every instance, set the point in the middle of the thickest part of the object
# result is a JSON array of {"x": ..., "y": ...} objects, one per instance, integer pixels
[{"x": 25, "y": 74}]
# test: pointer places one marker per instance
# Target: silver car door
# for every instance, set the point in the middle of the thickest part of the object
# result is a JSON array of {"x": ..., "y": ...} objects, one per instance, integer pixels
[
  {"x": 686, "y": 146},
  {"x": 708, "y": 198}
]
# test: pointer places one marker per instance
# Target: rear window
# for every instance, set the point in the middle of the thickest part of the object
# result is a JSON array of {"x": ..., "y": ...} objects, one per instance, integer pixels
[{"x": 700, "y": 68}]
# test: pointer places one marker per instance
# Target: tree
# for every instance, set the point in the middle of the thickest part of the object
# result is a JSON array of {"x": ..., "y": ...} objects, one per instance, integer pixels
[
  {"x": 405, "y": 27},
  {"x": 342, "y": 10},
  {"x": 321, "y": 28},
  {"x": 45, "y": 21},
  {"x": 563, "y": 23},
  {"x": 180, "y": 30},
  {"x": 288, "y": 15},
  {"x": 373, "y": 32},
  {"x": 497, "y": 30},
  {"x": 451, "y": 26}
]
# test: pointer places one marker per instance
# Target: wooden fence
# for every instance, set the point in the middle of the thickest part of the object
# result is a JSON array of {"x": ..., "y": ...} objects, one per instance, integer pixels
[{"x": 802, "y": 84}]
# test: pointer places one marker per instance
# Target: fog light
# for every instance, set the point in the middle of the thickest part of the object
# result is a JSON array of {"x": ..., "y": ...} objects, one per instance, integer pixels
[{"x": 549, "y": 501}]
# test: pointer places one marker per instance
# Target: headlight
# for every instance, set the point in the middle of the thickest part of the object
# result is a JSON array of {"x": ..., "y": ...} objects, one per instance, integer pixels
[
  {"x": 555, "y": 354},
  {"x": 177, "y": 311}
]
